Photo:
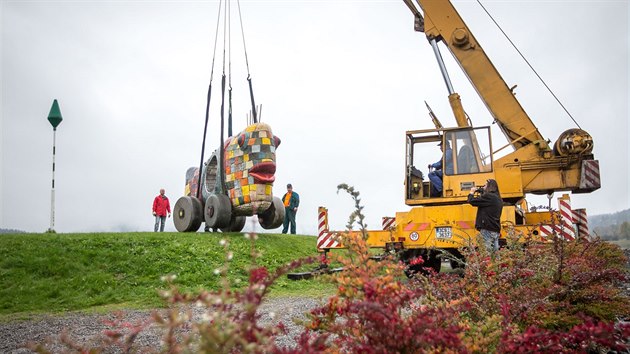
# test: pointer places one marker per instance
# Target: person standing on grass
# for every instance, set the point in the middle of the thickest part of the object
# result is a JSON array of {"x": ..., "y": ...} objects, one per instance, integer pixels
[
  {"x": 489, "y": 205},
  {"x": 161, "y": 207},
  {"x": 291, "y": 202}
]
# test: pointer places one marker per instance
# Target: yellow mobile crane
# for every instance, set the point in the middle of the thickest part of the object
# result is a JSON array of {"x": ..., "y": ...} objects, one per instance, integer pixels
[{"x": 446, "y": 221}]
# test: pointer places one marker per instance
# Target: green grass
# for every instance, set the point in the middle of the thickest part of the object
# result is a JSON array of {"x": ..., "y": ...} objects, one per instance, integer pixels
[{"x": 95, "y": 272}]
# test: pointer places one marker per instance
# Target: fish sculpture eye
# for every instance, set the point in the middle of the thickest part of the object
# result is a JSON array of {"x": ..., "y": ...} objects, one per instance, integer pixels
[
  {"x": 241, "y": 140},
  {"x": 276, "y": 141}
]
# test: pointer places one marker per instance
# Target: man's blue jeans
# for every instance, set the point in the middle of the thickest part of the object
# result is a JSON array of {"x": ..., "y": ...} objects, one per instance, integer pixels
[
  {"x": 490, "y": 240},
  {"x": 436, "y": 183},
  {"x": 289, "y": 219},
  {"x": 159, "y": 221}
]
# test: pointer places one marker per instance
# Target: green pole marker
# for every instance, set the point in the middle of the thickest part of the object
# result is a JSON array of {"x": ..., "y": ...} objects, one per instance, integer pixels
[{"x": 55, "y": 118}]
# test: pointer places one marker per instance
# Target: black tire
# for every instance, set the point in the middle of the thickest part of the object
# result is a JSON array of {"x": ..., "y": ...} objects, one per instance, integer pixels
[
  {"x": 237, "y": 223},
  {"x": 187, "y": 214},
  {"x": 433, "y": 262},
  {"x": 218, "y": 211},
  {"x": 456, "y": 259},
  {"x": 273, "y": 217}
]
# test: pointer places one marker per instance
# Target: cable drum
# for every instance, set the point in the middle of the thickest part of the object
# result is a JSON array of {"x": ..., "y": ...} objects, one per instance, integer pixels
[{"x": 573, "y": 142}]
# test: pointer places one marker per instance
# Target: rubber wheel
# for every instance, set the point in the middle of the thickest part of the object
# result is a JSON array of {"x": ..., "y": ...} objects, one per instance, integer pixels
[
  {"x": 218, "y": 211},
  {"x": 237, "y": 223},
  {"x": 187, "y": 214},
  {"x": 431, "y": 261},
  {"x": 434, "y": 262},
  {"x": 273, "y": 217}
]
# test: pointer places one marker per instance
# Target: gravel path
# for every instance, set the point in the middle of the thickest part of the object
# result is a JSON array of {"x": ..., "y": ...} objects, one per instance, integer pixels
[{"x": 85, "y": 328}]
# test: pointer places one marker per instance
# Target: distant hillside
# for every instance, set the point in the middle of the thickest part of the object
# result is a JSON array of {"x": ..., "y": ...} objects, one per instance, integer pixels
[
  {"x": 11, "y": 231},
  {"x": 614, "y": 226}
]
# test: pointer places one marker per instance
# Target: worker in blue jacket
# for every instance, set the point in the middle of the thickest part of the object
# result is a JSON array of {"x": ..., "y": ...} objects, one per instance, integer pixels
[
  {"x": 291, "y": 202},
  {"x": 436, "y": 171}
]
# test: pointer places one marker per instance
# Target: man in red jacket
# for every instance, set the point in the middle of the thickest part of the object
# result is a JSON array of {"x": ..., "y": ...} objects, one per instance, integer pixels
[{"x": 161, "y": 207}]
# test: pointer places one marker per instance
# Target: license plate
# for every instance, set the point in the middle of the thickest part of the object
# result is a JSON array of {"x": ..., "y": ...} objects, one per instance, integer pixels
[{"x": 443, "y": 232}]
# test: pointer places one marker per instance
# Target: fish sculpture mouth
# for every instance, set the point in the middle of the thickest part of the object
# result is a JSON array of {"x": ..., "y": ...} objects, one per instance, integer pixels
[{"x": 263, "y": 172}]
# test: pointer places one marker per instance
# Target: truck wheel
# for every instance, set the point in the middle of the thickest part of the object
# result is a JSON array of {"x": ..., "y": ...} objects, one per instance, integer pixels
[
  {"x": 431, "y": 260},
  {"x": 434, "y": 262},
  {"x": 187, "y": 214},
  {"x": 273, "y": 217},
  {"x": 218, "y": 211},
  {"x": 237, "y": 223}
]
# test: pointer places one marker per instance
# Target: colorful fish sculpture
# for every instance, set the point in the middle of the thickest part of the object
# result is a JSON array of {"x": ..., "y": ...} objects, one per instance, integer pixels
[{"x": 248, "y": 169}]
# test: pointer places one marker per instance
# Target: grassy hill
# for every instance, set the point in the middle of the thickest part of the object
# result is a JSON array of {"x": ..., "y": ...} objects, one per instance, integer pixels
[
  {"x": 62, "y": 272},
  {"x": 614, "y": 226},
  {"x": 601, "y": 220}
]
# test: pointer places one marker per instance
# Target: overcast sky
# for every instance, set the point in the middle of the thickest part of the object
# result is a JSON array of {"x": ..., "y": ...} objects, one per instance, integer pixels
[{"x": 340, "y": 82}]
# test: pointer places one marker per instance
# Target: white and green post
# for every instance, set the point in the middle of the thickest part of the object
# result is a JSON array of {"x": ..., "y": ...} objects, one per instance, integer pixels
[{"x": 54, "y": 117}]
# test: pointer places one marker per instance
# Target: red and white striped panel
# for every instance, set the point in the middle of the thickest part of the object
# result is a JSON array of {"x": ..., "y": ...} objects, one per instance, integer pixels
[
  {"x": 322, "y": 220},
  {"x": 546, "y": 231},
  {"x": 565, "y": 233},
  {"x": 589, "y": 178},
  {"x": 325, "y": 238},
  {"x": 564, "y": 227},
  {"x": 388, "y": 222},
  {"x": 566, "y": 219},
  {"x": 580, "y": 220}
]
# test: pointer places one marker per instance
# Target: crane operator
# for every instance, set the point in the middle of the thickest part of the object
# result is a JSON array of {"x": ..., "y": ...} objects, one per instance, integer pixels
[{"x": 436, "y": 170}]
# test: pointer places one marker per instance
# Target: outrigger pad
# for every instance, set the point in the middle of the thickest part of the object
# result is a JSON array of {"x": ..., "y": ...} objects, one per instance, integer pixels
[
  {"x": 309, "y": 275},
  {"x": 300, "y": 276}
]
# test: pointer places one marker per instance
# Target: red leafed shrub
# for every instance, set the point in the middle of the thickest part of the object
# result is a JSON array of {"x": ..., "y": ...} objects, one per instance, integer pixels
[
  {"x": 376, "y": 310},
  {"x": 529, "y": 297},
  {"x": 258, "y": 275},
  {"x": 588, "y": 336}
]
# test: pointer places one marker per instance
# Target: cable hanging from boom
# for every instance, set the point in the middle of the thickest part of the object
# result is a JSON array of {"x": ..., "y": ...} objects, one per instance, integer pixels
[
  {"x": 205, "y": 127},
  {"x": 221, "y": 145},
  {"x": 226, "y": 82},
  {"x": 229, "y": 11},
  {"x": 249, "y": 77},
  {"x": 530, "y": 66}
]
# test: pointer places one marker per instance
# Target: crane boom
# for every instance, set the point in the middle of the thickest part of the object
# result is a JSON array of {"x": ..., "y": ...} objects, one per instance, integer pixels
[
  {"x": 534, "y": 166},
  {"x": 443, "y": 23}
]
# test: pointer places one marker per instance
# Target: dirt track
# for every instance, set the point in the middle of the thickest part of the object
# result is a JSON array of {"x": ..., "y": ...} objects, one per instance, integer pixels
[{"x": 84, "y": 328}]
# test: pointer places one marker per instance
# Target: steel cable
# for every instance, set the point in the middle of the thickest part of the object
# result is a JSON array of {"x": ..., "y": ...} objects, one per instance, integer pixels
[
  {"x": 205, "y": 127},
  {"x": 530, "y": 66}
]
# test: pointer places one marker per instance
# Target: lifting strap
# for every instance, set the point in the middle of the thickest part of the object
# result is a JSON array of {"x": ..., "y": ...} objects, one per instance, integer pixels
[
  {"x": 205, "y": 127},
  {"x": 251, "y": 96},
  {"x": 229, "y": 71},
  {"x": 249, "y": 77}
]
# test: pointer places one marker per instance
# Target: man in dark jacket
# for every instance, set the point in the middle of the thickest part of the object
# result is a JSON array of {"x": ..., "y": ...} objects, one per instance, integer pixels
[
  {"x": 489, "y": 203},
  {"x": 291, "y": 202},
  {"x": 161, "y": 207}
]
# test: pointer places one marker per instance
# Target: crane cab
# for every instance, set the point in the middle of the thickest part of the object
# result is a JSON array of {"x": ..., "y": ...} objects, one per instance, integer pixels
[{"x": 466, "y": 161}]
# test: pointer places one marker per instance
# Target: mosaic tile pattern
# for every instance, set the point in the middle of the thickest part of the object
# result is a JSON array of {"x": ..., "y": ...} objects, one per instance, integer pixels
[{"x": 250, "y": 167}]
